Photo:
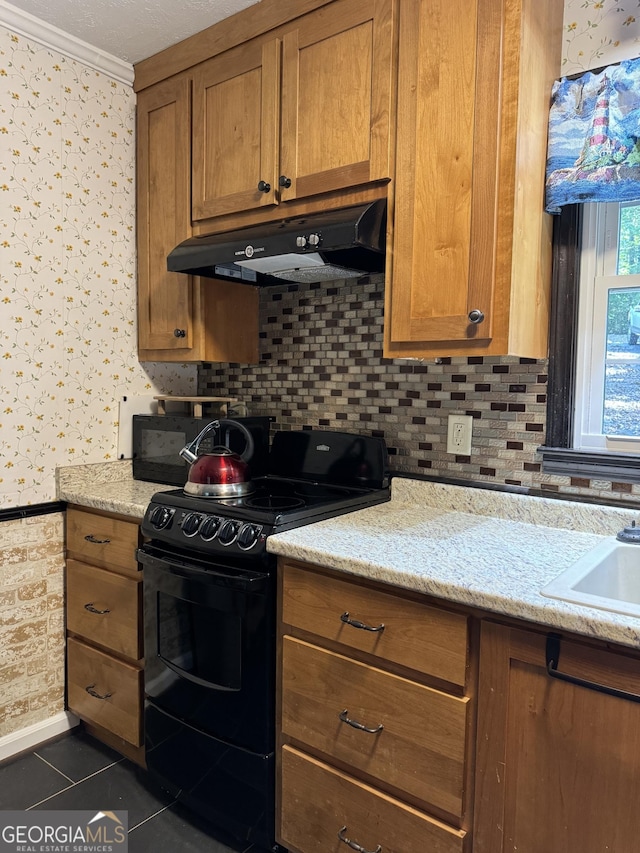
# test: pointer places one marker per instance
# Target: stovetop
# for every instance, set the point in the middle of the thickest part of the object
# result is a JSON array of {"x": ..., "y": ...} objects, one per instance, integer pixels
[
  {"x": 337, "y": 473},
  {"x": 241, "y": 525}
]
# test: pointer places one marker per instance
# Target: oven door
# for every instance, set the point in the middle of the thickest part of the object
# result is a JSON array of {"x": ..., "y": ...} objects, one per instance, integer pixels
[{"x": 210, "y": 646}]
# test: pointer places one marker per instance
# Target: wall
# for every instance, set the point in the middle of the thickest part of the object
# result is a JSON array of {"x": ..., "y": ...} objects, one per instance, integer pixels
[
  {"x": 67, "y": 334},
  {"x": 67, "y": 268},
  {"x": 321, "y": 359},
  {"x": 599, "y": 32},
  {"x": 31, "y": 621},
  {"x": 321, "y": 365}
]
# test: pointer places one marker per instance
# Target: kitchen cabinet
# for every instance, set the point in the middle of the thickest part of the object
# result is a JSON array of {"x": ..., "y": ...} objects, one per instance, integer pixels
[
  {"x": 557, "y": 762},
  {"x": 470, "y": 267},
  {"x": 180, "y": 318},
  {"x": 104, "y": 627},
  {"x": 376, "y": 718},
  {"x": 300, "y": 113}
]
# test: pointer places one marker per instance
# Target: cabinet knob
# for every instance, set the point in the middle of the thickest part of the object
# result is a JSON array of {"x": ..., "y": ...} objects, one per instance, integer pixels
[
  {"x": 284, "y": 181},
  {"x": 179, "y": 333},
  {"x": 476, "y": 316},
  {"x": 264, "y": 187}
]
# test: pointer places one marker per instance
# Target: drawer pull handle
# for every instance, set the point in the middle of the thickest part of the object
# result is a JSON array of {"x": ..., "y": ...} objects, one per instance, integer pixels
[
  {"x": 91, "y": 690},
  {"x": 344, "y": 716},
  {"x": 353, "y": 844},
  {"x": 355, "y": 624},
  {"x": 93, "y": 609},
  {"x": 553, "y": 658},
  {"x": 92, "y": 538}
]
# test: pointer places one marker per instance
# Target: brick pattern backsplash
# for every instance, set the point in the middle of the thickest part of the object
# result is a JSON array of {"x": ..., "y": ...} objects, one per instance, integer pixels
[
  {"x": 321, "y": 366},
  {"x": 31, "y": 621}
]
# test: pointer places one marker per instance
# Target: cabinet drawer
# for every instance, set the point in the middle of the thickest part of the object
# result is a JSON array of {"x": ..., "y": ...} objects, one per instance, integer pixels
[
  {"x": 120, "y": 683},
  {"x": 318, "y": 802},
  {"x": 102, "y": 541},
  {"x": 117, "y": 599},
  {"x": 424, "y": 638},
  {"x": 421, "y": 747}
]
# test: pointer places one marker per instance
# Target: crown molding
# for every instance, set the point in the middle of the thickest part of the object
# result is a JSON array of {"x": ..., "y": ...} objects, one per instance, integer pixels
[{"x": 24, "y": 24}]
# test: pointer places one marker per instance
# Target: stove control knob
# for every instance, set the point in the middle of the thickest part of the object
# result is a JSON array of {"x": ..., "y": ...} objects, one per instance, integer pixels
[
  {"x": 191, "y": 523},
  {"x": 228, "y": 532},
  {"x": 248, "y": 536},
  {"x": 209, "y": 528},
  {"x": 160, "y": 517},
  {"x": 315, "y": 240}
]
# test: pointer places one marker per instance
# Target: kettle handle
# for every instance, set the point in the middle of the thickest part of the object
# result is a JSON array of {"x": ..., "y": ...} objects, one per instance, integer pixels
[
  {"x": 190, "y": 452},
  {"x": 247, "y": 453}
]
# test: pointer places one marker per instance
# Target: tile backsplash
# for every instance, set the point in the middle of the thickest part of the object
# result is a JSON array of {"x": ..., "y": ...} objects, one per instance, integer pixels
[{"x": 321, "y": 366}]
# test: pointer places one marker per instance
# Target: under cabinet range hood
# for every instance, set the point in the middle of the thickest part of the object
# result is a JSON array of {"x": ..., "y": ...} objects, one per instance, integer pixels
[{"x": 338, "y": 244}]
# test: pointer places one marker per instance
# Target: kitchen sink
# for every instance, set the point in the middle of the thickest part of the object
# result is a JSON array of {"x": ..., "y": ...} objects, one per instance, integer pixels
[{"x": 607, "y": 577}]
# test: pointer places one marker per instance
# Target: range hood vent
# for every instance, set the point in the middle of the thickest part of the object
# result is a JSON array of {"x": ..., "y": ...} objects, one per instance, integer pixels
[{"x": 346, "y": 243}]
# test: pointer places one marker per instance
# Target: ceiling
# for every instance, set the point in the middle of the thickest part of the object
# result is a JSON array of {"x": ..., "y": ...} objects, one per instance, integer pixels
[{"x": 130, "y": 30}]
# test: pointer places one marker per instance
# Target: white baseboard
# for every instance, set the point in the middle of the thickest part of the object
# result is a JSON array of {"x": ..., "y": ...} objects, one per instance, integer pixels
[{"x": 30, "y": 737}]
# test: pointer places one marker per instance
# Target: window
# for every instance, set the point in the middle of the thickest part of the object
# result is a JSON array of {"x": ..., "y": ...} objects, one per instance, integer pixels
[
  {"x": 607, "y": 403},
  {"x": 593, "y": 416}
]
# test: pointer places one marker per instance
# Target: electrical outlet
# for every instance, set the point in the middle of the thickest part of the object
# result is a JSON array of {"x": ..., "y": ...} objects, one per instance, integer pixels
[{"x": 459, "y": 430}]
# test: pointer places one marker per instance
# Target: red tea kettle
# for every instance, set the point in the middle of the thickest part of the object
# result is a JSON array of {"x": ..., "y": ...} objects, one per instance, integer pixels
[{"x": 219, "y": 473}]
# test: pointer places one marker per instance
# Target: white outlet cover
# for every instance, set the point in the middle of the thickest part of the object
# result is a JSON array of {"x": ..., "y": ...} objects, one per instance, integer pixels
[{"x": 459, "y": 432}]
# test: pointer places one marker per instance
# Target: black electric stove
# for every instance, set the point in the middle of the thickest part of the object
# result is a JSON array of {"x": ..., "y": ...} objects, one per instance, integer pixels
[
  {"x": 210, "y": 623},
  {"x": 314, "y": 475}
]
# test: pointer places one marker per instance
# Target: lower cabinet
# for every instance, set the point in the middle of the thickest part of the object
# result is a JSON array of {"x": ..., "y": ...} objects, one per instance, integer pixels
[
  {"x": 104, "y": 628},
  {"x": 558, "y": 765},
  {"x": 376, "y": 718}
]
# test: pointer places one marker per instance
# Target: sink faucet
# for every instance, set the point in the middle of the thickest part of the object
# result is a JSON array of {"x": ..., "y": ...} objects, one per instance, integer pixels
[{"x": 630, "y": 534}]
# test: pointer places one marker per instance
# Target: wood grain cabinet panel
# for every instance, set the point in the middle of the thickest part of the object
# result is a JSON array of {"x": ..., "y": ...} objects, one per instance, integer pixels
[
  {"x": 428, "y": 639},
  {"x": 180, "y": 318},
  {"x": 419, "y": 734},
  {"x": 337, "y": 98},
  {"x": 376, "y": 718},
  {"x": 328, "y": 806},
  {"x": 105, "y": 690},
  {"x": 557, "y": 762},
  {"x": 470, "y": 268},
  {"x": 103, "y": 540},
  {"x": 104, "y": 607},
  {"x": 104, "y": 628},
  {"x": 302, "y": 114}
]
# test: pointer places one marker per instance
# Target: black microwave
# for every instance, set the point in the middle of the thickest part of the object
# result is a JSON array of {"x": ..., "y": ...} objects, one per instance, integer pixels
[{"x": 158, "y": 439}]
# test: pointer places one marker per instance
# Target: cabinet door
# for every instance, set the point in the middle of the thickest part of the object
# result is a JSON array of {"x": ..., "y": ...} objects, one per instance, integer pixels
[
  {"x": 470, "y": 268},
  {"x": 235, "y": 130},
  {"x": 336, "y": 98},
  {"x": 165, "y": 299},
  {"x": 437, "y": 222},
  {"x": 557, "y": 763}
]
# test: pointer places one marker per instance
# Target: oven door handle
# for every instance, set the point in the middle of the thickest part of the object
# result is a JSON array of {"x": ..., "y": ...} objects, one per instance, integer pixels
[{"x": 247, "y": 581}]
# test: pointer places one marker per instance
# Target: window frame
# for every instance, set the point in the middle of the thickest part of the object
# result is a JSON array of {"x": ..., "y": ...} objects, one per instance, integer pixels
[{"x": 558, "y": 455}]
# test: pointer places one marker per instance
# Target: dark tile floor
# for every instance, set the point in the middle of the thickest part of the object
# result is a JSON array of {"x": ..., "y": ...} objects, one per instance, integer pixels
[{"x": 79, "y": 772}]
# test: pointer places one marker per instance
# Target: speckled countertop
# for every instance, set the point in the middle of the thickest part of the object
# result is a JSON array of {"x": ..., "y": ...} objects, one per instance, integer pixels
[
  {"x": 106, "y": 485},
  {"x": 486, "y": 549}
]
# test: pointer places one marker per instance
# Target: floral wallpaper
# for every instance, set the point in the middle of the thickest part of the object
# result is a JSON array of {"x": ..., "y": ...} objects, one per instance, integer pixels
[
  {"x": 67, "y": 268},
  {"x": 599, "y": 32}
]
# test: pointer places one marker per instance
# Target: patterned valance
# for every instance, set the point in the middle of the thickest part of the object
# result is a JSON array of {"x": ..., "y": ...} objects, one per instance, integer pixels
[{"x": 594, "y": 133}]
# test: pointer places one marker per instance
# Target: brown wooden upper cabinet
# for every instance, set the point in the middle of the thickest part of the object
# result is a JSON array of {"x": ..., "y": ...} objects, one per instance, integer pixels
[
  {"x": 180, "y": 318},
  {"x": 304, "y": 112},
  {"x": 470, "y": 268}
]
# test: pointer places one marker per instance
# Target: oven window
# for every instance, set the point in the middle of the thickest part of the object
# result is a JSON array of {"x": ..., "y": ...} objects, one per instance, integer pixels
[{"x": 203, "y": 643}]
